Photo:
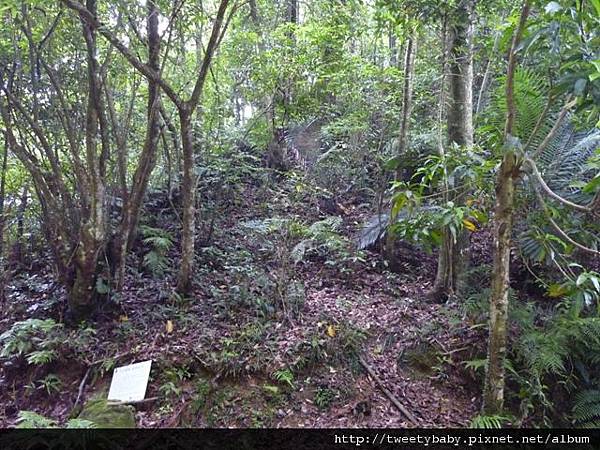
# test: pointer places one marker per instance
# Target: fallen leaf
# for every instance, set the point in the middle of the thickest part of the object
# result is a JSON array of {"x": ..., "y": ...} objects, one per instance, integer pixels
[
  {"x": 330, "y": 331},
  {"x": 169, "y": 326}
]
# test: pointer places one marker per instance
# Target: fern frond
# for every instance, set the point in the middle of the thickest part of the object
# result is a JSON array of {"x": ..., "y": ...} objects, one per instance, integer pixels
[
  {"x": 373, "y": 231},
  {"x": 586, "y": 408}
]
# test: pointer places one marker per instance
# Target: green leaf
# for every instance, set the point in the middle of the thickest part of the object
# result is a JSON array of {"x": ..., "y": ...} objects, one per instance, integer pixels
[{"x": 102, "y": 287}]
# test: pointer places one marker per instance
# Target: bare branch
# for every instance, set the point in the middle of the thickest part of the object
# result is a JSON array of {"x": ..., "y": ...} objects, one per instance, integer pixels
[
  {"x": 561, "y": 116},
  {"x": 143, "y": 68},
  {"x": 559, "y": 230},
  {"x": 550, "y": 192},
  {"x": 213, "y": 42}
]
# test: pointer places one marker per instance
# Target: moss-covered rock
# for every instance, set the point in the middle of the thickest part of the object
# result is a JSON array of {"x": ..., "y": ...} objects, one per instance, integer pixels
[{"x": 105, "y": 415}]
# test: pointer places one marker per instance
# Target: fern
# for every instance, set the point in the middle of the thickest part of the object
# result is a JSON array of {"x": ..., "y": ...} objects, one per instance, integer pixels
[
  {"x": 586, "y": 409},
  {"x": 160, "y": 242},
  {"x": 530, "y": 102},
  {"x": 564, "y": 162},
  {"x": 482, "y": 421},
  {"x": 25, "y": 336},
  {"x": 30, "y": 419}
]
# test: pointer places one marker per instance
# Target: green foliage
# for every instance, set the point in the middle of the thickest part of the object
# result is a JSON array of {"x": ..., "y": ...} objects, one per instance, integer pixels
[
  {"x": 35, "y": 338},
  {"x": 324, "y": 397},
  {"x": 284, "y": 376},
  {"x": 30, "y": 419},
  {"x": 586, "y": 409},
  {"x": 160, "y": 242},
  {"x": 530, "y": 101},
  {"x": 51, "y": 383},
  {"x": 481, "y": 421}
]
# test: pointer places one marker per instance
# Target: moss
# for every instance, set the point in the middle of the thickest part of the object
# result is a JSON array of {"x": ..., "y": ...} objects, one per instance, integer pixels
[{"x": 108, "y": 416}]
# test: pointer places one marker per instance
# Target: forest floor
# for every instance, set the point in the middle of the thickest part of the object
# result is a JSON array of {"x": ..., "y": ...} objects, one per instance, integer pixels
[{"x": 223, "y": 364}]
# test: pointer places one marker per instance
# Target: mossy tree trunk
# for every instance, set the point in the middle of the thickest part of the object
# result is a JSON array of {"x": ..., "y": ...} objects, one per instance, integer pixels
[{"x": 493, "y": 395}]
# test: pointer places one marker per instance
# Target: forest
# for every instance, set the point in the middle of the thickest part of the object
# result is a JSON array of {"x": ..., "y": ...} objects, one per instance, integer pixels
[{"x": 304, "y": 213}]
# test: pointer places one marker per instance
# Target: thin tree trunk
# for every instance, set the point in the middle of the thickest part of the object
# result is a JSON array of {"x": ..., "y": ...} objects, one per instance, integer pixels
[
  {"x": 493, "y": 394},
  {"x": 147, "y": 161},
  {"x": 407, "y": 92},
  {"x": 393, "y": 47},
  {"x": 409, "y": 70},
  {"x": 2, "y": 194},
  {"x": 189, "y": 199},
  {"x": 486, "y": 75},
  {"x": 18, "y": 247},
  {"x": 451, "y": 259}
]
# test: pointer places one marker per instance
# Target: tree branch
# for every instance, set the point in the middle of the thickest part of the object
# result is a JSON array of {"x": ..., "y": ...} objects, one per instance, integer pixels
[
  {"x": 555, "y": 128},
  {"x": 143, "y": 68},
  {"x": 559, "y": 230},
  {"x": 208, "y": 55},
  {"x": 551, "y": 193}
]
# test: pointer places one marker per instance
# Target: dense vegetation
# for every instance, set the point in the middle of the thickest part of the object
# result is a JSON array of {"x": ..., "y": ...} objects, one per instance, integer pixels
[{"x": 319, "y": 213}]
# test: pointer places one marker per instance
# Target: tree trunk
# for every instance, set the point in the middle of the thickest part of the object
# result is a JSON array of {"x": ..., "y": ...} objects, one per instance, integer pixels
[
  {"x": 392, "y": 47},
  {"x": 93, "y": 232},
  {"x": 147, "y": 161},
  {"x": 18, "y": 247},
  {"x": 2, "y": 194},
  {"x": 407, "y": 91},
  {"x": 409, "y": 70},
  {"x": 189, "y": 199},
  {"x": 451, "y": 259},
  {"x": 493, "y": 393},
  {"x": 494, "y": 381}
]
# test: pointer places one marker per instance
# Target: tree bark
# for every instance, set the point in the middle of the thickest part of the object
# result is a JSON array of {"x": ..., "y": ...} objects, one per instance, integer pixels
[
  {"x": 451, "y": 259},
  {"x": 2, "y": 194},
  {"x": 409, "y": 71},
  {"x": 493, "y": 394},
  {"x": 82, "y": 294},
  {"x": 184, "y": 281},
  {"x": 147, "y": 161}
]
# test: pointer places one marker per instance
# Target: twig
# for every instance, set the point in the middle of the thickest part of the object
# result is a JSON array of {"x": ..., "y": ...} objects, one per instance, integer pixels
[
  {"x": 131, "y": 402},
  {"x": 82, "y": 386},
  {"x": 387, "y": 393}
]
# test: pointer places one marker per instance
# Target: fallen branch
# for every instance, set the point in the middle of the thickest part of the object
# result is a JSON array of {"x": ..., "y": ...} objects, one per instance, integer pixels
[
  {"x": 387, "y": 393},
  {"x": 131, "y": 402},
  {"x": 82, "y": 386}
]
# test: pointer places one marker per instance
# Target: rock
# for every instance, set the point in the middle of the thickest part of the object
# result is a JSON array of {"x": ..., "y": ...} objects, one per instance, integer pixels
[{"x": 104, "y": 415}]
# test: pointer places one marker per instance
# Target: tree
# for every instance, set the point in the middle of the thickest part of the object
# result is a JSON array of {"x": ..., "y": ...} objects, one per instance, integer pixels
[
  {"x": 460, "y": 133},
  {"x": 493, "y": 396},
  {"x": 185, "y": 109}
]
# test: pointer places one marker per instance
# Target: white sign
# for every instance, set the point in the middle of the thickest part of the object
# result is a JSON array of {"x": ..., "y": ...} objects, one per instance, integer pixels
[{"x": 129, "y": 382}]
